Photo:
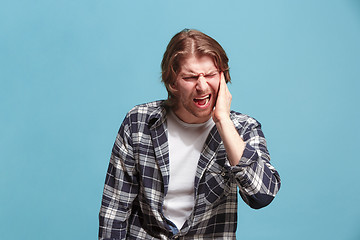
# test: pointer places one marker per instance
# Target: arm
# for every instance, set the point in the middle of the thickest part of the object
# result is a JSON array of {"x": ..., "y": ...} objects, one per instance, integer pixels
[
  {"x": 258, "y": 181},
  {"x": 233, "y": 143},
  {"x": 120, "y": 188}
]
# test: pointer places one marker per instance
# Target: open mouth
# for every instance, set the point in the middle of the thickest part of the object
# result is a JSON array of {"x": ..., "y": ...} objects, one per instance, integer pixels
[{"x": 203, "y": 100}]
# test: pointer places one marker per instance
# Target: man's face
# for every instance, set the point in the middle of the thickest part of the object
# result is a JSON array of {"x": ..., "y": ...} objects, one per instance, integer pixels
[{"x": 195, "y": 89}]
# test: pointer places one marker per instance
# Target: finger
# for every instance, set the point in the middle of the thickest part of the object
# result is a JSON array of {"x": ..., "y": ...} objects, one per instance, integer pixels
[
  {"x": 219, "y": 90},
  {"x": 222, "y": 78},
  {"x": 223, "y": 85}
]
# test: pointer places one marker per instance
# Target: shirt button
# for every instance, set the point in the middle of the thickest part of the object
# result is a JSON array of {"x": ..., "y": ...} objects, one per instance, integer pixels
[{"x": 223, "y": 174}]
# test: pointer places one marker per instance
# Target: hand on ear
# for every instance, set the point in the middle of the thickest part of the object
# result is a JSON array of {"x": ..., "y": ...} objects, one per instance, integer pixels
[{"x": 223, "y": 101}]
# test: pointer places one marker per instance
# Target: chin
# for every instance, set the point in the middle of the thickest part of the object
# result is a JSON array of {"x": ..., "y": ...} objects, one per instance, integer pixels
[{"x": 203, "y": 114}]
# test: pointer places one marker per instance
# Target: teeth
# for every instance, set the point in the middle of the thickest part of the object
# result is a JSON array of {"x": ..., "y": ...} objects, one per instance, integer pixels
[
  {"x": 203, "y": 100},
  {"x": 207, "y": 96}
]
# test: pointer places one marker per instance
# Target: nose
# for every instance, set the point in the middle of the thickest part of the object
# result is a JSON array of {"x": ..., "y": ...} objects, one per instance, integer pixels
[{"x": 201, "y": 83}]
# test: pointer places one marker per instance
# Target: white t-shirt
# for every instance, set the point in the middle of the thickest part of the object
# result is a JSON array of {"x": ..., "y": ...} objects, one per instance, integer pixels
[{"x": 186, "y": 142}]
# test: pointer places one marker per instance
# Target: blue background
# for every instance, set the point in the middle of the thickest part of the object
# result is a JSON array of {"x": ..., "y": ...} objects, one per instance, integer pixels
[{"x": 70, "y": 70}]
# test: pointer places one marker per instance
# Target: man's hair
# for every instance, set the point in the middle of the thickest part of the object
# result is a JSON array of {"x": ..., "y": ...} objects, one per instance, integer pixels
[{"x": 184, "y": 44}]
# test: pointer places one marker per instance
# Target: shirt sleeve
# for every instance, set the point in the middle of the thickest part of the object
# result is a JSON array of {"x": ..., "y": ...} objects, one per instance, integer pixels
[
  {"x": 120, "y": 190},
  {"x": 257, "y": 179}
]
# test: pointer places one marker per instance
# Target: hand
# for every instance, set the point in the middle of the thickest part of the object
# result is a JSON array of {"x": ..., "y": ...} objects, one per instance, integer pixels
[
  {"x": 223, "y": 102},
  {"x": 233, "y": 143}
]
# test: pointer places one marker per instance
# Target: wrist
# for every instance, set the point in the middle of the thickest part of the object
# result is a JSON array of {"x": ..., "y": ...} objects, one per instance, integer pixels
[{"x": 223, "y": 121}]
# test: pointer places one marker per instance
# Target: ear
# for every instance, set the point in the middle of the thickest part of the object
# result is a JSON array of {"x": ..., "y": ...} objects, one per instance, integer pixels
[{"x": 172, "y": 87}]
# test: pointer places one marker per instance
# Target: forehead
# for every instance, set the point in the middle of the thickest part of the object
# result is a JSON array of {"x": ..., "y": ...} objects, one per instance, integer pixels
[{"x": 195, "y": 64}]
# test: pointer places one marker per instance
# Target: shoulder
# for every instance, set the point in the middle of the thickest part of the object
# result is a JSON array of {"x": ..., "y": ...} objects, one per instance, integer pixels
[
  {"x": 241, "y": 120},
  {"x": 147, "y": 108},
  {"x": 146, "y": 112}
]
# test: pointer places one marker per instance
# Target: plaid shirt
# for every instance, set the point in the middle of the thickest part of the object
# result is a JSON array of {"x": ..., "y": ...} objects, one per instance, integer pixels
[{"x": 137, "y": 180}]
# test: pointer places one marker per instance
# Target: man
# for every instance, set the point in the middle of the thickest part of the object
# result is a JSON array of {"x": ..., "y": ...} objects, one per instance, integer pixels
[{"x": 176, "y": 165}]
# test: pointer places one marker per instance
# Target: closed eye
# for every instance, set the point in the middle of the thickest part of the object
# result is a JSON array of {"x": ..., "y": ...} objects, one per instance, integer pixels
[
  {"x": 195, "y": 77},
  {"x": 191, "y": 78},
  {"x": 210, "y": 75}
]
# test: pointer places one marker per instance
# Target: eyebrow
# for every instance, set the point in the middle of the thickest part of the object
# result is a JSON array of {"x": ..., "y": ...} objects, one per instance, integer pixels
[{"x": 197, "y": 74}]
